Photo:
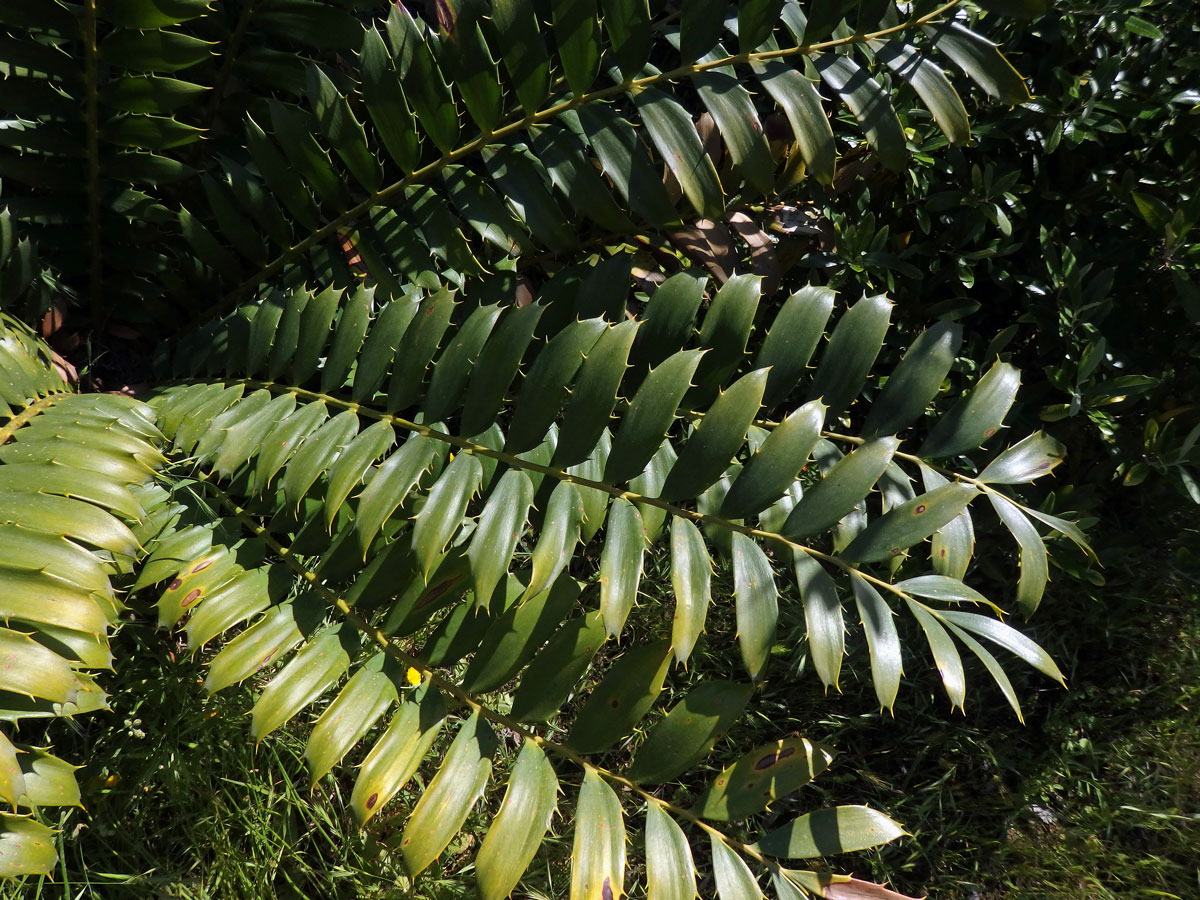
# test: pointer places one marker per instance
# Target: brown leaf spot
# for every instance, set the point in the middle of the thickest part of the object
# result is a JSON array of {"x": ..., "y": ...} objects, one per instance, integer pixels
[
  {"x": 175, "y": 584},
  {"x": 772, "y": 758},
  {"x": 606, "y": 892},
  {"x": 921, "y": 508},
  {"x": 201, "y": 566},
  {"x": 372, "y": 800},
  {"x": 192, "y": 596},
  {"x": 435, "y": 591}
]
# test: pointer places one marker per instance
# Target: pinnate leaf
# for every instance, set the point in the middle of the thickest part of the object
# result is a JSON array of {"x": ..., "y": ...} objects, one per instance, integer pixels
[
  {"x": 761, "y": 777},
  {"x": 623, "y": 696},
  {"x": 448, "y": 799},
  {"x": 670, "y": 869},
  {"x": 520, "y": 825},
  {"x": 827, "y": 832},
  {"x": 686, "y": 734},
  {"x": 598, "y": 855}
]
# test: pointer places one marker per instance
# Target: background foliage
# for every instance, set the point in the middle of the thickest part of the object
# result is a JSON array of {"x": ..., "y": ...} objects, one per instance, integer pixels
[{"x": 1058, "y": 238}]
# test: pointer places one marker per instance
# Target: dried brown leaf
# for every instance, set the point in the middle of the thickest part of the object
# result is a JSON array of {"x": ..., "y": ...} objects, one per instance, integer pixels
[
  {"x": 856, "y": 889},
  {"x": 762, "y": 250},
  {"x": 524, "y": 294},
  {"x": 710, "y": 139},
  {"x": 351, "y": 255},
  {"x": 708, "y": 243},
  {"x": 53, "y": 320},
  {"x": 64, "y": 369}
]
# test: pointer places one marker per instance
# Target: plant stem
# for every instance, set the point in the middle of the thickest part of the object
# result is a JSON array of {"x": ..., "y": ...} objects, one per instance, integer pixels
[
  {"x": 91, "y": 63},
  {"x": 560, "y": 475},
  {"x": 22, "y": 418},
  {"x": 981, "y": 486}
]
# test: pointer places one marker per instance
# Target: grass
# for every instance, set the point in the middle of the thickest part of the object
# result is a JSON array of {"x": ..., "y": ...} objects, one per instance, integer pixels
[
  {"x": 181, "y": 804},
  {"x": 1095, "y": 797}
]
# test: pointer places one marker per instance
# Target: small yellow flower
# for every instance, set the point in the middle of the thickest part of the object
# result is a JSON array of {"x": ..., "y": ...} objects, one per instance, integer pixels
[{"x": 413, "y": 676}]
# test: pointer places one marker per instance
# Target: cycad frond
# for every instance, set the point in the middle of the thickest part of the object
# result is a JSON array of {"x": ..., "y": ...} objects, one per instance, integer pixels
[
  {"x": 104, "y": 106},
  {"x": 74, "y": 473},
  {"x": 461, "y": 555},
  {"x": 457, "y": 145}
]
